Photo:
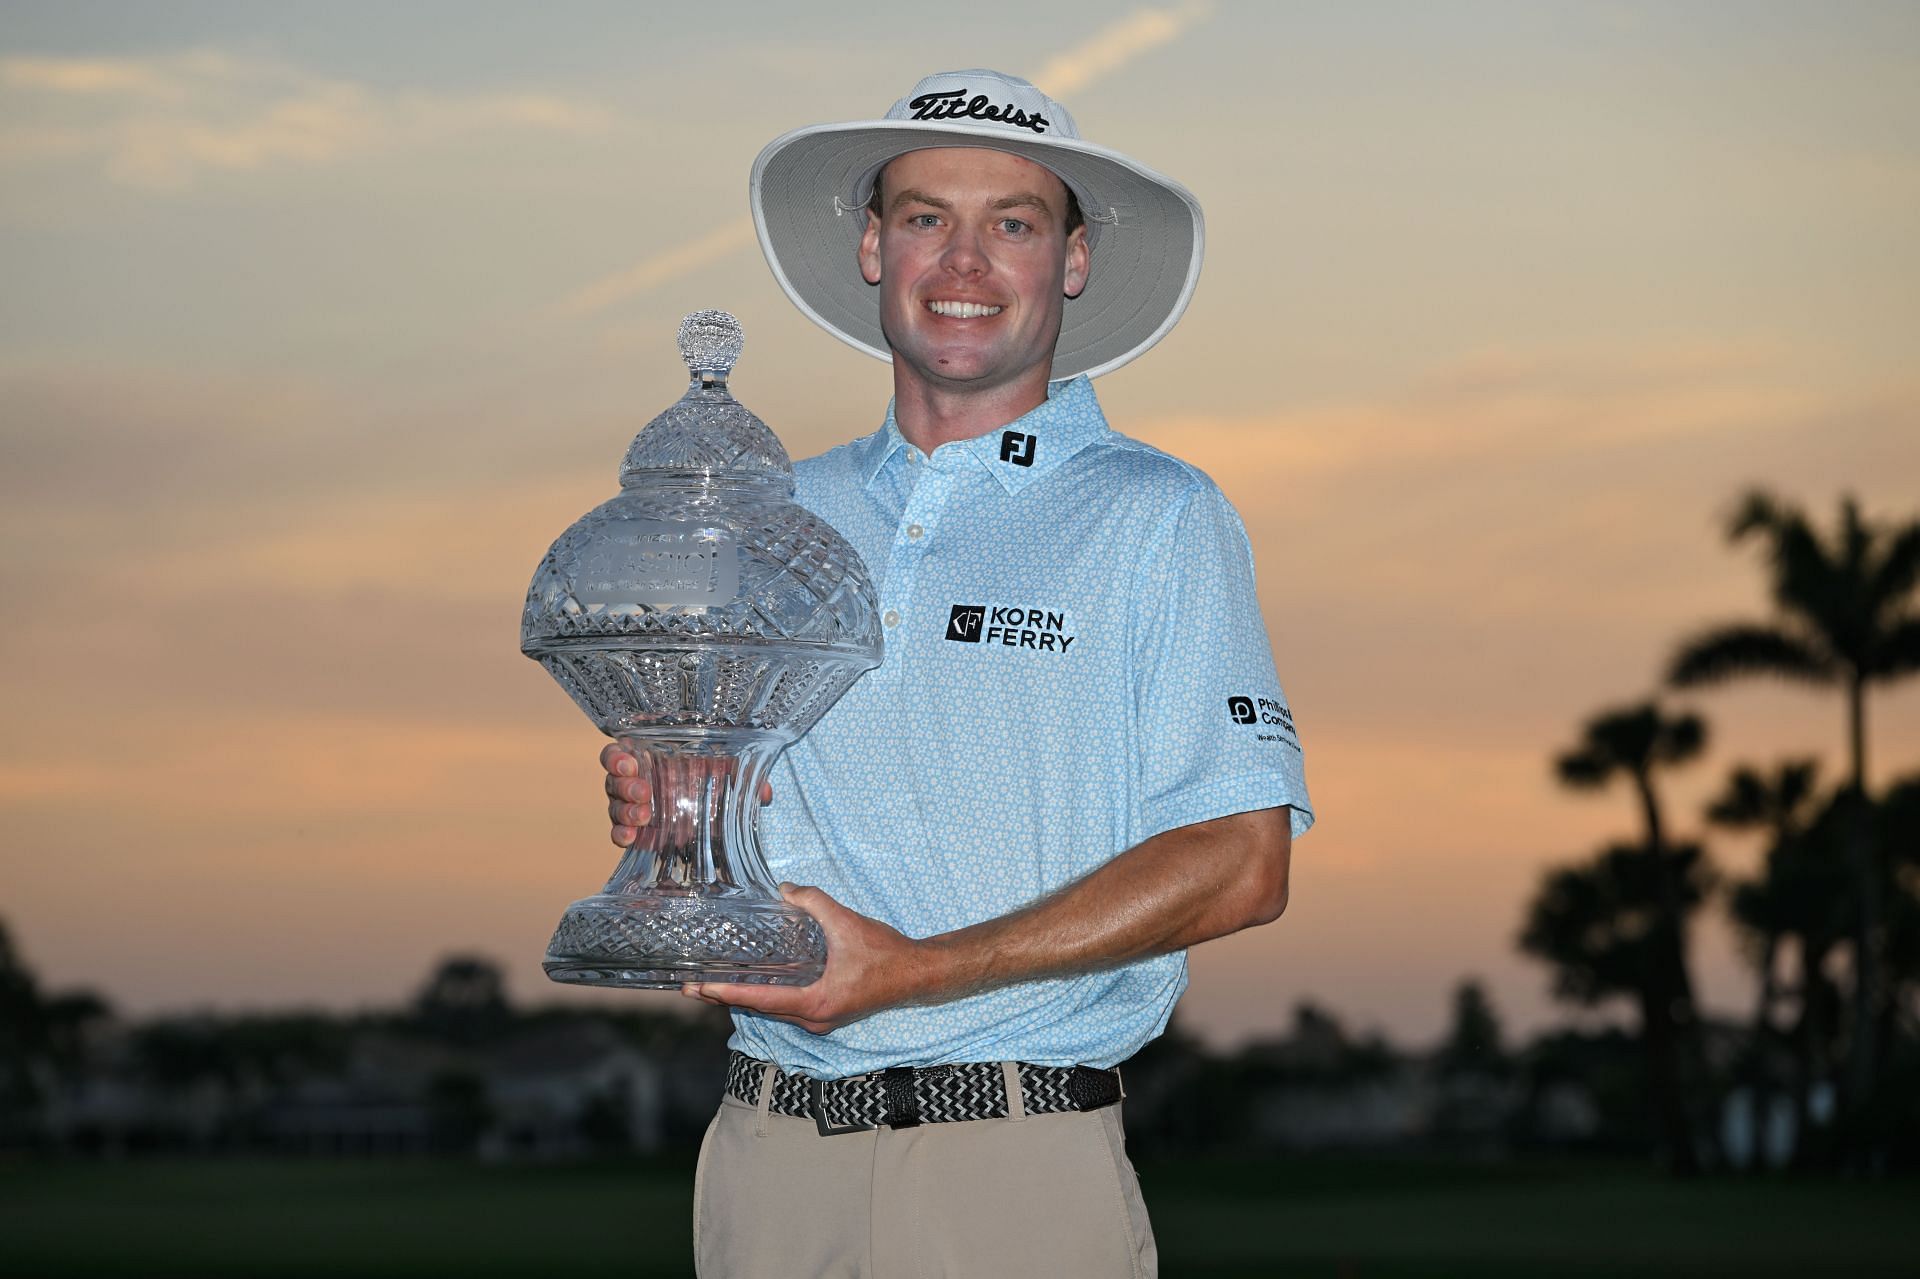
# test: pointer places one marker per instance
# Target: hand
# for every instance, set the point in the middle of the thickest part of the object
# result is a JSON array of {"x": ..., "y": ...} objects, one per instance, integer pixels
[
  {"x": 630, "y": 792},
  {"x": 870, "y": 966}
]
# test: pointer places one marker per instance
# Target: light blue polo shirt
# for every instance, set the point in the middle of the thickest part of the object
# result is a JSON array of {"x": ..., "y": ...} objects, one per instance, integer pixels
[{"x": 1075, "y": 661}]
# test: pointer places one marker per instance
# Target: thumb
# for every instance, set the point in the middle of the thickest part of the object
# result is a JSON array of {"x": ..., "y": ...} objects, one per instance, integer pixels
[{"x": 814, "y": 901}]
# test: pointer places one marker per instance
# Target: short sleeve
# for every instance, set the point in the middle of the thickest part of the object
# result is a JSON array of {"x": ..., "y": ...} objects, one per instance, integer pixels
[{"x": 1217, "y": 735}]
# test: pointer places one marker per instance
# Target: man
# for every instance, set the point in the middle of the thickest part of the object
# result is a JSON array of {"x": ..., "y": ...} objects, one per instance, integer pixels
[{"x": 1075, "y": 760}]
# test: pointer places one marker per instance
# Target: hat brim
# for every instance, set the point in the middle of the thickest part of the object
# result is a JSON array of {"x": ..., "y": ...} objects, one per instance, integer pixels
[{"x": 1146, "y": 230}]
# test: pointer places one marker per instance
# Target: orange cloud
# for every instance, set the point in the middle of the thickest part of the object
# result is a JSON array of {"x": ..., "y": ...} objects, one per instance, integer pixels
[{"x": 168, "y": 119}]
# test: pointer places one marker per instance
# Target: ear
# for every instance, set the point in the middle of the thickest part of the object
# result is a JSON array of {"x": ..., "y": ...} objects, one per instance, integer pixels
[
  {"x": 870, "y": 250},
  {"x": 1079, "y": 258}
]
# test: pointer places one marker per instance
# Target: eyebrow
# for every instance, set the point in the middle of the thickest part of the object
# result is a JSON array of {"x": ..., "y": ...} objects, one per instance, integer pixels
[
  {"x": 1025, "y": 200},
  {"x": 1019, "y": 200},
  {"x": 910, "y": 195}
]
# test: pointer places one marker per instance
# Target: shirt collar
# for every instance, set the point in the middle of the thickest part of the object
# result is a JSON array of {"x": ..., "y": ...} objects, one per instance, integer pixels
[
  {"x": 1018, "y": 453},
  {"x": 882, "y": 447}
]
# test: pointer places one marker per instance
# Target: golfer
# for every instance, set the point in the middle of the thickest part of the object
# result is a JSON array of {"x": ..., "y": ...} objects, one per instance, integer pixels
[{"x": 1075, "y": 761}]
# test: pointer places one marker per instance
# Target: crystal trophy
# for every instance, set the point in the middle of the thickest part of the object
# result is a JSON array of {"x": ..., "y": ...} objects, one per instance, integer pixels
[{"x": 705, "y": 620}]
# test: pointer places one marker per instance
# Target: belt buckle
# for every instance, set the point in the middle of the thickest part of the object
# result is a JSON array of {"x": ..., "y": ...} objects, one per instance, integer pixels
[{"x": 818, "y": 1110}]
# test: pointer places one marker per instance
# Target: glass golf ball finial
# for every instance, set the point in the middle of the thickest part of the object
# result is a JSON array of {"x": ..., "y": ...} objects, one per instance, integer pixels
[{"x": 710, "y": 343}]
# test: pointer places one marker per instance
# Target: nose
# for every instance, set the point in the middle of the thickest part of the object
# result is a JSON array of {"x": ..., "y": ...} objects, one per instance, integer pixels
[{"x": 964, "y": 254}]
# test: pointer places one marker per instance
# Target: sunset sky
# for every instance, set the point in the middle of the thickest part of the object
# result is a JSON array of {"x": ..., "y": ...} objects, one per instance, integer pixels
[{"x": 319, "y": 321}]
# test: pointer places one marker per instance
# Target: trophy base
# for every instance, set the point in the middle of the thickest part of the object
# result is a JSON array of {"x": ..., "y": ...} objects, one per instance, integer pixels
[{"x": 660, "y": 941}]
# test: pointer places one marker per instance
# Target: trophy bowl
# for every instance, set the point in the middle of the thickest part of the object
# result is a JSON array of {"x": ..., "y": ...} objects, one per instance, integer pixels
[{"x": 706, "y": 621}]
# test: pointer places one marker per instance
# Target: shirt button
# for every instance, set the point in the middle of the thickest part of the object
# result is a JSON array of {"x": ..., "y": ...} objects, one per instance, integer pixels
[
  {"x": 892, "y": 618},
  {"x": 914, "y": 530}
]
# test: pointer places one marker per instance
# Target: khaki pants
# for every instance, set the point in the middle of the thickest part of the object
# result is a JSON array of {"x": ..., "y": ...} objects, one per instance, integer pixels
[{"x": 1048, "y": 1196}]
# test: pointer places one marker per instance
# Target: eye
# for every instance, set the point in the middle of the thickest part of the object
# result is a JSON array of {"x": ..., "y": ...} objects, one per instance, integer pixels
[
  {"x": 924, "y": 220},
  {"x": 1014, "y": 226}
]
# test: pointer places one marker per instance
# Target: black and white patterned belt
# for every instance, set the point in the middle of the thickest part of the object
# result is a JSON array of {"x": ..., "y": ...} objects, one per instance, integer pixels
[{"x": 906, "y": 1096}]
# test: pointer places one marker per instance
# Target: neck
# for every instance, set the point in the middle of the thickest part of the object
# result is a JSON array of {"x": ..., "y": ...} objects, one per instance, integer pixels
[{"x": 929, "y": 416}]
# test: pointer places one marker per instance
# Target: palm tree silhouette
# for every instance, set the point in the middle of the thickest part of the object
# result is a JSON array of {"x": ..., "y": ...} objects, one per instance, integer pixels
[
  {"x": 1897, "y": 817},
  {"x": 1631, "y": 743},
  {"x": 1846, "y": 619},
  {"x": 1595, "y": 924},
  {"x": 1781, "y": 804},
  {"x": 1775, "y": 905}
]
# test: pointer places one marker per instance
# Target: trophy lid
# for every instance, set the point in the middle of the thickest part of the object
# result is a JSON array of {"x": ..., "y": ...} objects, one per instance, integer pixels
[{"x": 706, "y": 434}]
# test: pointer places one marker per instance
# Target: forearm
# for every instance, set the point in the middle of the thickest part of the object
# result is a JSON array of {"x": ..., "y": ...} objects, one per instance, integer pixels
[{"x": 1172, "y": 891}]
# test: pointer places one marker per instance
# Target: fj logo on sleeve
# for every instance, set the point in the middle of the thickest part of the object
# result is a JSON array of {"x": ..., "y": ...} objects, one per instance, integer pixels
[
  {"x": 1016, "y": 448},
  {"x": 964, "y": 624}
]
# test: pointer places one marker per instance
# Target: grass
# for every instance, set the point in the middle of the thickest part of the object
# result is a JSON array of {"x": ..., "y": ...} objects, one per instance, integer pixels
[
  {"x": 1383, "y": 1219},
  {"x": 1346, "y": 1218}
]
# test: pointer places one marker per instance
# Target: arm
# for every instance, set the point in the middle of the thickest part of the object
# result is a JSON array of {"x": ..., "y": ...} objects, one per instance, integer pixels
[{"x": 1179, "y": 888}]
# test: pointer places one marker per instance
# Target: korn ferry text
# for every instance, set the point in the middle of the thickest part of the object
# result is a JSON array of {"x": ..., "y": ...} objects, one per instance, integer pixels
[{"x": 1035, "y": 628}]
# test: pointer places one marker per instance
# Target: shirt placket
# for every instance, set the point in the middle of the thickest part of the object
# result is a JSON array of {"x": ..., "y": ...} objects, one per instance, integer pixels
[{"x": 931, "y": 486}]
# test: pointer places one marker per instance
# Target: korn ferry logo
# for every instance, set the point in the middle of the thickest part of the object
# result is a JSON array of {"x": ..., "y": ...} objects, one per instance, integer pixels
[
  {"x": 1043, "y": 630},
  {"x": 964, "y": 624}
]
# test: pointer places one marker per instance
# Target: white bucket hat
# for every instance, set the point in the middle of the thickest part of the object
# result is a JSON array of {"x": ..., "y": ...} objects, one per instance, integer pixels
[{"x": 810, "y": 190}]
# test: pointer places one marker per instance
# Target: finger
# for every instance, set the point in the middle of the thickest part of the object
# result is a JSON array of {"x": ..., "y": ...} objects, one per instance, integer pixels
[
  {"x": 620, "y": 814},
  {"x": 775, "y": 1001},
  {"x": 815, "y": 901},
  {"x": 628, "y": 813},
  {"x": 807, "y": 1024},
  {"x": 629, "y": 790},
  {"x": 623, "y": 836},
  {"x": 617, "y": 759},
  {"x": 766, "y": 793}
]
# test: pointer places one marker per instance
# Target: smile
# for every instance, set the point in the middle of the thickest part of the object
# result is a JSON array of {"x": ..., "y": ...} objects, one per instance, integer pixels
[{"x": 962, "y": 310}]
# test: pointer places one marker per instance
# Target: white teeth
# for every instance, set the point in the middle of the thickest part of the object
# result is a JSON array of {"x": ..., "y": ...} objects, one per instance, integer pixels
[{"x": 962, "y": 310}]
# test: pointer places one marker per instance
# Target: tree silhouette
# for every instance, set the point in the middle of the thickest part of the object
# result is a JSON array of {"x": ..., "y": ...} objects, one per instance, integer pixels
[
  {"x": 1788, "y": 899},
  {"x": 1847, "y": 620},
  {"x": 1598, "y": 924},
  {"x": 1898, "y": 815},
  {"x": 41, "y": 1037},
  {"x": 1630, "y": 744},
  {"x": 1472, "y": 1101},
  {"x": 465, "y": 999},
  {"x": 1474, "y": 1040},
  {"x": 22, "y": 1037},
  {"x": 1782, "y": 805}
]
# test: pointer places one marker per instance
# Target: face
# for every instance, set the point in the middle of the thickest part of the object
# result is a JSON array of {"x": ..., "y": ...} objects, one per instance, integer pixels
[{"x": 974, "y": 264}]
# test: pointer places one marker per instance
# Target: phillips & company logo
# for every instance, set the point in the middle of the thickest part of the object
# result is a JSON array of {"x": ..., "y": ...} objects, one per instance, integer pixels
[{"x": 1263, "y": 710}]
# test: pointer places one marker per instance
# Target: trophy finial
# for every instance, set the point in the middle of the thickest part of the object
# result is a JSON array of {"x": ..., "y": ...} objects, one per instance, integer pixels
[{"x": 710, "y": 342}]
